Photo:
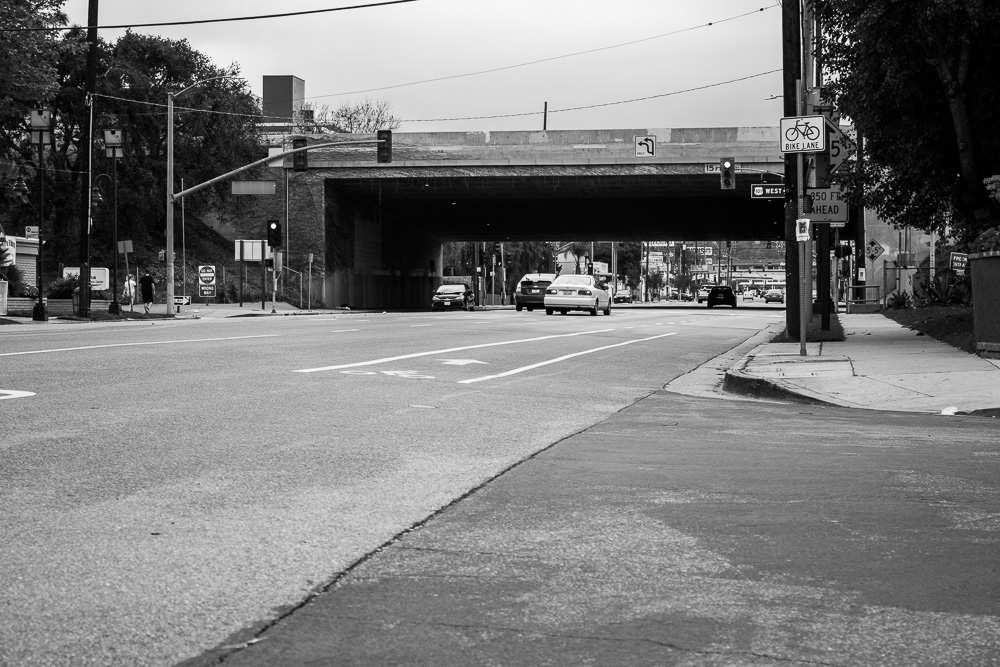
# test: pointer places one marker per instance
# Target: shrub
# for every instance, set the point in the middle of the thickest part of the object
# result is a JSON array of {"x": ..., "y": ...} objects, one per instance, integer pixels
[
  {"x": 899, "y": 301},
  {"x": 62, "y": 288}
]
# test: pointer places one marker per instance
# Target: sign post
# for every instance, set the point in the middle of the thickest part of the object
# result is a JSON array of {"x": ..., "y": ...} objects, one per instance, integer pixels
[{"x": 803, "y": 232}]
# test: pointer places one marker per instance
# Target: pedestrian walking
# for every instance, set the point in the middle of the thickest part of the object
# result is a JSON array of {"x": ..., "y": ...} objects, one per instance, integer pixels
[
  {"x": 146, "y": 286},
  {"x": 128, "y": 294}
]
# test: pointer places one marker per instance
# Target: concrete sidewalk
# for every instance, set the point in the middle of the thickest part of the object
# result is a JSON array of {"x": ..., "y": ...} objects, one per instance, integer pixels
[{"x": 881, "y": 366}]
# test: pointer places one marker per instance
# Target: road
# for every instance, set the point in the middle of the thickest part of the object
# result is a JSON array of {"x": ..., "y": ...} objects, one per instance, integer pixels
[{"x": 167, "y": 485}]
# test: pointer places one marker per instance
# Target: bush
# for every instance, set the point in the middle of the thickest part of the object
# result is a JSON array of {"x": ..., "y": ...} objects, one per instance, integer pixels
[
  {"x": 62, "y": 288},
  {"x": 899, "y": 301}
]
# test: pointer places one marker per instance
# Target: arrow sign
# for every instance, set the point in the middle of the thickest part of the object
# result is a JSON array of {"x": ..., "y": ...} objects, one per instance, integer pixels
[
  {"x": 841, "y": 147},
  {"x": 11, "y": 393},
  {"x": 460, "y": 362}
]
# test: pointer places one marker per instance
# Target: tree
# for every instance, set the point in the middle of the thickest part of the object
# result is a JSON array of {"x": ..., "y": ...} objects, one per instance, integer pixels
[
  {"x": 366, "y": 116},
  {"x": 921, "y": 81},
  {"x": 526, "y": 257}
]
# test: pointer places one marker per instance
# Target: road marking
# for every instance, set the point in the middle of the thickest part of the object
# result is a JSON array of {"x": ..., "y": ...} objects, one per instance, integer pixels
[
  {"x": 384, "y": 360},
  {"x": 420, "y": 325},
  {"x": 12, "y": 393},
  {"x": 562, "y": 358},
  {"x": 154, "y": 342},
  {"x": 416, "y": 375},
  {"x": 343, "y": 330},
  {"x": 460, "y": 362}
]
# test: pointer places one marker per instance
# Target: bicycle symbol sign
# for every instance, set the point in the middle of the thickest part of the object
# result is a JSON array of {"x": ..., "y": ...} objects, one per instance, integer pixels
[{"x": 803, "y": 134}]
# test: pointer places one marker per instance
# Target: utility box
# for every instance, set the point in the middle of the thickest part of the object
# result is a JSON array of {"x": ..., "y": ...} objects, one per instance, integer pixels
[{"x": 985, "y": 268}]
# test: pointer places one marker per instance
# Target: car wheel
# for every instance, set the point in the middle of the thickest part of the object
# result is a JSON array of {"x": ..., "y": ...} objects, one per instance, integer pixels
[
  {"x": 563, "y": 312},
  {"x": 593, "y": 311},
  {"x": 709, "y": 305},
  {"x": 607, "y": 311},
  {"x": 734, "y": 305},
  {"x": 548, "y": 311},
  {"x": 519, "y": 307},
  {"x": 530, "y": 309}
]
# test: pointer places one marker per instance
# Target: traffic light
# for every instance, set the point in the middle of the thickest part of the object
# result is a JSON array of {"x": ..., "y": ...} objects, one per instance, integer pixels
[
  {"x": 383, "y": 152},
  {"x": 497, "y": 248},
  {"x": 727, "y": 173},
  {"x": 300, "y": 161},
  {"x": 274, "y": 233}
]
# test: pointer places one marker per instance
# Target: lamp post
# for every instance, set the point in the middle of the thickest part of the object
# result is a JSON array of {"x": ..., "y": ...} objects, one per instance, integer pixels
[
  {"x": 169, "y": 254},
  {"x": 114, "y": 150},
  {"x": 41, "y": 124}
]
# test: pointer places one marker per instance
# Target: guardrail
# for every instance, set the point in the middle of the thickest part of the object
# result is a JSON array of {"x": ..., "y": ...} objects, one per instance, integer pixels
[{"x": 866, "y": 300}]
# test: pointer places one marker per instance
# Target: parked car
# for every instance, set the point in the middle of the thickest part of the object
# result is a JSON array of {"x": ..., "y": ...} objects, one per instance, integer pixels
[
  {"x": 623, "y": 297},
  {"x": 749, "y": 295},
  {"x": 577, "y": 292},
  {"x": 703, "y": 292},
  {"x": 530, "y": 290},
  {"x": 774, "y": 295},
  {"x": 687, "y": 296},
  {"x": 453, "y": 296},
  {"x": 721, "y": 295}
]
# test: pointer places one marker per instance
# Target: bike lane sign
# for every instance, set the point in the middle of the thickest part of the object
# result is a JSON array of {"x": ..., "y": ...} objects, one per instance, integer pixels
[{"x": 803, "y": 134}]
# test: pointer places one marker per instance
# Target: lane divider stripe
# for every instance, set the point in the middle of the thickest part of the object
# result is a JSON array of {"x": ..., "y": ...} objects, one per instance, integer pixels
[
  {"x": 386, "y": 360},
  {"x": 154, "y": 342},
  {"x": 562, "y": 358}
]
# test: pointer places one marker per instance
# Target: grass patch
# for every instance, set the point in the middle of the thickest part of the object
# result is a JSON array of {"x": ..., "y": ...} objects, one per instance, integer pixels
[{"x": 949, "y": 324}]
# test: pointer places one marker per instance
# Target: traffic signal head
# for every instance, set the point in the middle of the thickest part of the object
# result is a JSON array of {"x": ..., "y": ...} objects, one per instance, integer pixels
[
  {"x": 383, "y": 151},
  {"x": 727, "y": 173},
  {"x": 300, "y": 161},
  {"x": 274, "y": 233}
]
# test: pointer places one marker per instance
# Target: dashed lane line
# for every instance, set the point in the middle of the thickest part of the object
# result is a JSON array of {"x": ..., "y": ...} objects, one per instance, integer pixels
[
  {"x": 384, "y": 360},
  {"x": 152, "y": 342}
]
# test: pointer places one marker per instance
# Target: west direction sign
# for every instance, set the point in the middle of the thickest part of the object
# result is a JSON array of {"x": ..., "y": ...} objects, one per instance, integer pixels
[
  {"x": 828, "y": 205},
  {"x": 767, "y": 191},
  {"x": 803, "y": 134}
]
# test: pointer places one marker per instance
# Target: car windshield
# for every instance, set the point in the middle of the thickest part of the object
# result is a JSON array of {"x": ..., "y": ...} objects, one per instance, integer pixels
[
  {"x": 450, "y": 289},
  {"x": 574, "y": 280}
]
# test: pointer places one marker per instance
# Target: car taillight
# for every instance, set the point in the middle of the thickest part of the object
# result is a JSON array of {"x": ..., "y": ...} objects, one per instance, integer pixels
[
  {"x": 551, "y": 291},
  {"x": 584, "y": 292}
]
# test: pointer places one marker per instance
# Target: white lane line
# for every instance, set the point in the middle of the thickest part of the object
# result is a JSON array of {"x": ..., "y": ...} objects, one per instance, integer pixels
[
  {"x": 384, "y": 360},
  {"x": 343, "y": 330},
  {"x": 562, "y": 358},
  {"x": 153, "y": 342},
  {"x": 14, "y": 393}
]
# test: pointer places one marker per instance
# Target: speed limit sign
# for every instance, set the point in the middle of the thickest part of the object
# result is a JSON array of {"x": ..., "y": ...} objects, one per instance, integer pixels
[{"x": 206, "y": 281}]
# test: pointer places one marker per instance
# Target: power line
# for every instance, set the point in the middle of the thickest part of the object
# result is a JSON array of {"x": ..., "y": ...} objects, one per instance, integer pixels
[
  {"x": 222, "y": 20},
  {"x": 593, "y": 106},
  {"x": 542, "y": 60}
]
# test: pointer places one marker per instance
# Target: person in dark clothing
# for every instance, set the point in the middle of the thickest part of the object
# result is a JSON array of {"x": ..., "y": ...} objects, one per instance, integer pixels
[{"x": 146, "y": 287}]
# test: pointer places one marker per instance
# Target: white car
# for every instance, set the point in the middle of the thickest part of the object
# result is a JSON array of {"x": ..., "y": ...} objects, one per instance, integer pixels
[
  {"x": 577, "y": 292},
  {"x": 703, "y": 292}
]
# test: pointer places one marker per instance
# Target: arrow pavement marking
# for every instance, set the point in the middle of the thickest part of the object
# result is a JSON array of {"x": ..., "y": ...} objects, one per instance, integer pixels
[
  {"x": 460, "y": 362},
  {"x": 12, "y": 393},
  {"x": 384, "y": 360},
  {"x": 562, "y": 358}
]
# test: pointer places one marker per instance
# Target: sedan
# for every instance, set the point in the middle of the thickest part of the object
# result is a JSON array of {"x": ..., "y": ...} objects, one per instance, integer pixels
[
  {"x": 623, "y": 297},
  {"x": 721, "y": 295},
  {"x": 577, "y": 292},
  {"x": 774, "y": 295},
  {"x": 452, "y": 297}
]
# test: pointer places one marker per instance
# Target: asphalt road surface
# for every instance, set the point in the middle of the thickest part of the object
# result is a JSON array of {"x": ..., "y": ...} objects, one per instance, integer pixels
[{"x": 165, "y": 486}]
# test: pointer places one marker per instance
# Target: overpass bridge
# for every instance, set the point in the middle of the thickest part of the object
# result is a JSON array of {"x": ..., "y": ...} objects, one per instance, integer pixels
[{"x": 378, "y": 228}]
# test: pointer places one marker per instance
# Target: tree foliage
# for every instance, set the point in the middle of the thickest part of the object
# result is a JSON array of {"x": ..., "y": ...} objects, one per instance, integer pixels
[
  {"x": 366, "y": 116},
  {"x": 921, "y": 81}
]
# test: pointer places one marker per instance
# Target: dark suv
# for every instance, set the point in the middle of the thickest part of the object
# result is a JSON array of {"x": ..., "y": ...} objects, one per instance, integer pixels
[
  {"x": 530, "y": 291},
  {"x": 721, "y": 295}
]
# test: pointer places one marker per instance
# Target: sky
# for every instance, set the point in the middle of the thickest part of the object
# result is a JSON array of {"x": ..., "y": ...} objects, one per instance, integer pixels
[{"x": 492, "y": 65}]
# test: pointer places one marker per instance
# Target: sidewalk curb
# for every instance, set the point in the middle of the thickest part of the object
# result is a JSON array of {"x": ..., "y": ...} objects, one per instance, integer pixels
[{"x": 738, "y": 382}]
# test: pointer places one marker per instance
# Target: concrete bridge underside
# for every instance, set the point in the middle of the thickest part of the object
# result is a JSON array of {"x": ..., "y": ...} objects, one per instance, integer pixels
[{"x": 384, "y": 223}]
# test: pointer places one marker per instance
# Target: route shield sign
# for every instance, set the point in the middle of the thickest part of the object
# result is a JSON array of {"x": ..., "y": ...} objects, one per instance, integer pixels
[
  {"x": 767, "y": 191},
  {"x": 206, "y": 281},
  {"x": 803, "y": 134}
]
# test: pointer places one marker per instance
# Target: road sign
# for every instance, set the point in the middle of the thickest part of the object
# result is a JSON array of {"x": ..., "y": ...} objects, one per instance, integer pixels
[
  {"x": 767, "y": 191},
  {"x": 803, "y": 134},
  {"x": 100, "y": 277},
  {"x": 828, "y": 205},
  {"x": 206, "y": 281},
  {"x": 124, "y": 247},
  {"x": 31, "y": 232},
  {"x": 803, "y": 230},
  {"x": 253, "y": 187},
  {"x": 873, "y": 249},
  {"x": 959, "y": 261},
  {"x": 182, "y": 300},
  {"x": 253, "y": 250},
  {"x": 841, "y": 148},
  {"x": 645, "y": 146}
]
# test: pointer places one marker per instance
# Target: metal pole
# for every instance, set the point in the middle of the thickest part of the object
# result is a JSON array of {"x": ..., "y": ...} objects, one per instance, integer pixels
[
  {"x": 169, "y": 254},
  {"x": 802, "y": 293},
  {"x": 183, "y": 249},
  {"x": 114, "y": 307},
  {"x": 38, "y": 313}
]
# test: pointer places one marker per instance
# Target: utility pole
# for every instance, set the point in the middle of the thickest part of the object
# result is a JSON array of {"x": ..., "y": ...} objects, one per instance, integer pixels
[
  {"x": 86, "y": 147},
  {"x": 792, "y": 73}
]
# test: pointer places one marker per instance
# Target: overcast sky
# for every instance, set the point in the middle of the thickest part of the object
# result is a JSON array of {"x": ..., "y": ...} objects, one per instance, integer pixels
[{"x": 387, "y": 51}]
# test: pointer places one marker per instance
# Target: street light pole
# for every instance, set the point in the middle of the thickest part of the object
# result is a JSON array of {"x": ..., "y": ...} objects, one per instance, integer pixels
[
  {"x": 40, "y": 133},
  {"x": 113, "y": 149}
]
